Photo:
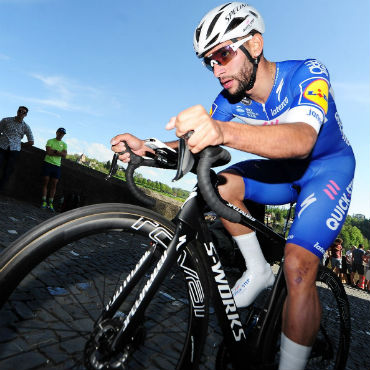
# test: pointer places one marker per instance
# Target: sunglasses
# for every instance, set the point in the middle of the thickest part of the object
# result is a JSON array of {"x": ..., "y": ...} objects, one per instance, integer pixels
[
  {"x": 21, "y": 111},
  {"x": 223, "y": 55}
]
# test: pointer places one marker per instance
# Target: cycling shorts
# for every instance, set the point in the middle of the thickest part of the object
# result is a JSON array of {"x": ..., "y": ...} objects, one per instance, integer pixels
[
  {"x": 321, "y": 188},
  {"x": 50, "y": 170}
]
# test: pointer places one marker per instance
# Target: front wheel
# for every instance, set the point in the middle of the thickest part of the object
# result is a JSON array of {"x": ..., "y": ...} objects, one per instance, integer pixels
[
  {"x": 63, "y": 277},
  {"x": 330, "y": 349}
]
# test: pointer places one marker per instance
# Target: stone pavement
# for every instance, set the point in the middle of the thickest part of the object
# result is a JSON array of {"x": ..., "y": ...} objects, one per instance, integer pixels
[{"x": 16, "y": 217}]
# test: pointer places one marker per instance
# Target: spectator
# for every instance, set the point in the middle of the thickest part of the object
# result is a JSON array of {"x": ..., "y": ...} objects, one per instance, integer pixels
[
  {"x": 12, "y": 130},
  {"x": 357, "y": 266},
  {"x": 55, "y": 150},
  {"x": 336, "y": 256},
  {"x": 326, "y": 258},
  {"x": 366, "y": 259},
  {"x": 349, "y": 261},
  {"x": 343, "y": 272}
]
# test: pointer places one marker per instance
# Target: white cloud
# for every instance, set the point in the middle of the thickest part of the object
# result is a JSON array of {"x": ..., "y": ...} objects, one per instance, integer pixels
[
  {"x": 66, "y": 93},
  {"x": 92, "y": 150}
]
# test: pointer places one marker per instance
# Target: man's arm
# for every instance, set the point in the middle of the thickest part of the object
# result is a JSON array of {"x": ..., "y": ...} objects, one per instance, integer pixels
[
  {"x": 27, "y": 144},
  {"x": 54, "y": 152},
  {"x": 173, "y": 144},
  {"x": 29, "y": 135},
  {"x": 290, "y": 140}
]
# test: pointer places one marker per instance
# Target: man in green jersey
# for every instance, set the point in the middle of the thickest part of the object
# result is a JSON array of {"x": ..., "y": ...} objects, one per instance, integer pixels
[{"x": 55, "y": 150}]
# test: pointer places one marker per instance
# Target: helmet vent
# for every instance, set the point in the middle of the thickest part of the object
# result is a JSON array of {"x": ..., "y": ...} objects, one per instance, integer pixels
[
  {"x": 234, "y": 23},
  {"x": 223, "y": 7},
  {"x": 198, "y": 31},
  {"x": 253, "y": 13},
  {"x": 212, "y": 41},
  {"x": 212, "y": 25}
]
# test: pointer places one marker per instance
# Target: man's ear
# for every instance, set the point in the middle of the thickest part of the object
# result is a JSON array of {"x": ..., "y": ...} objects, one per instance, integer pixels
[{"x": 256, "y": 45}]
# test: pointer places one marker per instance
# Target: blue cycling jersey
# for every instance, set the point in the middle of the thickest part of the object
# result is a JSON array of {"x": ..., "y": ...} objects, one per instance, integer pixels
[
  {"x": 322, "y": 184},
  {"x": 301, "y": 93}
]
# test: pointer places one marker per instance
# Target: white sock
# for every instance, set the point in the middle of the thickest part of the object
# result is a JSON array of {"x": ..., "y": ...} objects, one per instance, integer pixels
[
  {"x": 293, "y": 356},
  {"x": 251, "y": 251}
]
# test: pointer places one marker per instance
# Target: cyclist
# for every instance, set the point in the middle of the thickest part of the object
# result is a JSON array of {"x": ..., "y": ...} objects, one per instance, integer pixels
[{"x": 288, "y": 115}]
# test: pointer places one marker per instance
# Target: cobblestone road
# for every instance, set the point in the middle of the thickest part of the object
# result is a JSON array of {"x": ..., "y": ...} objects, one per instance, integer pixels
[{"x": 18, "y": 217}]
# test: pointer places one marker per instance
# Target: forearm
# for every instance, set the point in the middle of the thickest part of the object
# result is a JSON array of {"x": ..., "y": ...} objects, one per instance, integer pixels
[
  {"x": 173, "y": 144},
  {"x": 279, "y": 141},
  {"x": 27, "y": 144}
]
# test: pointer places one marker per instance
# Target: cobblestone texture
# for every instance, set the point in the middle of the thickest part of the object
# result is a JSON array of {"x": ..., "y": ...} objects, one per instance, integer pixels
[{"x": 18, "y": 217}]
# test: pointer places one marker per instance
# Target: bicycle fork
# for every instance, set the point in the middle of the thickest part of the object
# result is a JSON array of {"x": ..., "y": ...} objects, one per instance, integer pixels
[{"x": 133, "y": 319}]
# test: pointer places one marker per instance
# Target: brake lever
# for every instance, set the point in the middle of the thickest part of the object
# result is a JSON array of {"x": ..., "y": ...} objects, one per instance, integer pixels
[
  {"x": 134, "y": 159},
  {"x": 113, "y": 167},
  {"x": 185, "y": 158}
]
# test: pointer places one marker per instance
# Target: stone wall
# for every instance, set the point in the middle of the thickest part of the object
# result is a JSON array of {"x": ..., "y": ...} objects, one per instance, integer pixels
[{"x": 25, "y": 184}]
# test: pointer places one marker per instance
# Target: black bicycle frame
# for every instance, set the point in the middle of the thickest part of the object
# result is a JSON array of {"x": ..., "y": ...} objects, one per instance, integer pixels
[{"x": 191, "y": 227}]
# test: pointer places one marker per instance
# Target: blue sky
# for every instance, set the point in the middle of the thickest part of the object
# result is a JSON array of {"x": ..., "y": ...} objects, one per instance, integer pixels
[{"x": 99, "y": 68}]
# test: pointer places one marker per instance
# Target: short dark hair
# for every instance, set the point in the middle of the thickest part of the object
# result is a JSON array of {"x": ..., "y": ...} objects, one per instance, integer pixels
[
  {"x": 360, "y": 245},
  {"x": 23, "y": 107}
]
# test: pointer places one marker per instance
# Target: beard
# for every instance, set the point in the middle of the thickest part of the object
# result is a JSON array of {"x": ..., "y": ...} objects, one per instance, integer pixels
[{"x": 242, "y": 78}]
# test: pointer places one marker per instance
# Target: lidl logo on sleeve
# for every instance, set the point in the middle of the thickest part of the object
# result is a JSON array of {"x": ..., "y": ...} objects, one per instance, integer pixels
[{"x": 318, "y": 92}]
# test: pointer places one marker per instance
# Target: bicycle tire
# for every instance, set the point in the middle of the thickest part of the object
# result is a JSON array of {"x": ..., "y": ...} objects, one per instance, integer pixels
[
  {"x": 330, "y": 350},
  {"x": 53, "y": 289}
]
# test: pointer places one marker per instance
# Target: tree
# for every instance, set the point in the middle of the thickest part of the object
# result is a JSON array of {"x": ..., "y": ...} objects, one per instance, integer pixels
[
  {"x": 351, "y": 235},
  {"x": 107, "y": 165}
]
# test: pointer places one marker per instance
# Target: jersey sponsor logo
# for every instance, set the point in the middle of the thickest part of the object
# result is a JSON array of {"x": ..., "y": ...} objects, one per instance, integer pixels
[
  {"x": 246, "y": 111},
  {"x": 318, "y": 92},
  {"x": 280, "y": 107},
  {"x": 340, "y": 209},
  {"x": 213, "y": 109},
  {"x": 307, "y": 202},
  {"x": 239, "y": 109},
  {"x": 317, "y": 68},
  {"x": 344, "y": 137},
  {"x": 319, "y": 247},
  {"x": 270, "y": 123},
  {"x": 314, "y": 115},
  {"x": 246, "y": 101},
  {"x": 278, "y": 90},
  {"x": 331, "y": 189}
]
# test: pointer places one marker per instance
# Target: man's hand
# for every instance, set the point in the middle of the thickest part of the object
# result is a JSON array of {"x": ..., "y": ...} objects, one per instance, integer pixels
[
  {"x": 207, "y": 131},
  {"x": 135, "y": 144}
]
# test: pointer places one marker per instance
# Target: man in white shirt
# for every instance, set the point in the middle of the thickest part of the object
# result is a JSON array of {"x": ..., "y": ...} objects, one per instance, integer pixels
[{"x": 12, "y": 130}]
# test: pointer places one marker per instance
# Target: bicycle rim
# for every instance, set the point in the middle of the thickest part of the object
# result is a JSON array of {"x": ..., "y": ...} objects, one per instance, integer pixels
[{"x": 49, "y": 319}]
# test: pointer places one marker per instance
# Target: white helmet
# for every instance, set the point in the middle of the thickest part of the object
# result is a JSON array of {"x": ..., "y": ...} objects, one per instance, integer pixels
[{"x": 226, "y": 22}]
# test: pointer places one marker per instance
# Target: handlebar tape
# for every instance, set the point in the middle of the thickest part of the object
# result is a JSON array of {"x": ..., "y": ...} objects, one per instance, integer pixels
[
  {"x": 135, "y": 162},
  {"x": 212, "y": 157}
]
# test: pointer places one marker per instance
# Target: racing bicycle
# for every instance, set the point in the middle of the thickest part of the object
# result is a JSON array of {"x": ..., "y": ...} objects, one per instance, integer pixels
[{"x": 118, "y": 286}]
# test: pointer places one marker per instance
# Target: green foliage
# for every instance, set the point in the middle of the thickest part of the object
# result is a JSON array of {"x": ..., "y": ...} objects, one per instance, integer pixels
[
  {"x": 362, "y": 224},
  {"x": 351, "y": 235}
]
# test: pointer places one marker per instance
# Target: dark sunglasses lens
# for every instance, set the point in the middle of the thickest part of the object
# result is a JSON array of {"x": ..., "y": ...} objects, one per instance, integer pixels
[
  {"x": 208, "y": 63},
  {"x": 224, "y": 55},
  {"x": 221, "y": 56}
]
